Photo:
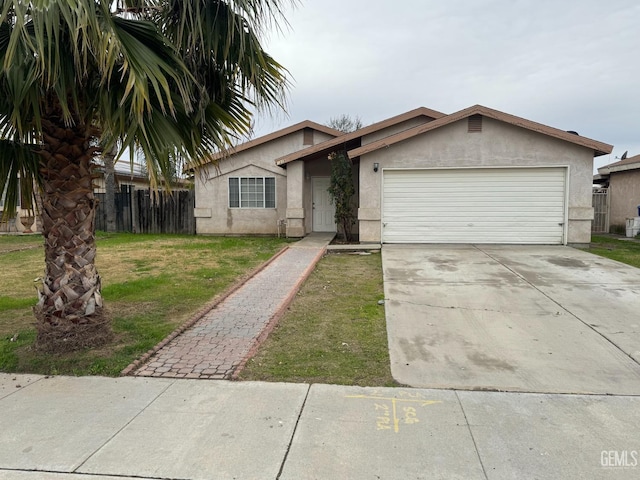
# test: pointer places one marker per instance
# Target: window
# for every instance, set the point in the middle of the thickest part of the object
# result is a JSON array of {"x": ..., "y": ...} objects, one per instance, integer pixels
[{"x": 252, "y": 192}]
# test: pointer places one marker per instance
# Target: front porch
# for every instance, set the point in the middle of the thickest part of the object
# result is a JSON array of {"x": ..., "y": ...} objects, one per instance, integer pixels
[{"x": 309, "y": 205}]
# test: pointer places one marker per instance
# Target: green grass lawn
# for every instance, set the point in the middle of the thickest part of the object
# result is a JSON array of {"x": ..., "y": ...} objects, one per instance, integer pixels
[
  {"x": 151, "y": 285},
  {"x": 625, "y": 251},
  {"x": 18, "y": 242},
  {"x": 334, "y": 331}
]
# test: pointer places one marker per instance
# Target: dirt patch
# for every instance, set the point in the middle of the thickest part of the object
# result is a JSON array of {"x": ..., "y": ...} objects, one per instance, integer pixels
[{"x": 60, "y": 335}]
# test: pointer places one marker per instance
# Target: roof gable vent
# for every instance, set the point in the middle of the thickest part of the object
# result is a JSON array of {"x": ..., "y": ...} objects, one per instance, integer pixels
[
  {"x": 307, "y": 136},
  {"x": 475, "y": 123}
]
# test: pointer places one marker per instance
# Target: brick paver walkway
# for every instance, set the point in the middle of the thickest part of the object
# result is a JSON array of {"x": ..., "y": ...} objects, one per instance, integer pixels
[{"x": 219, "y": 342}]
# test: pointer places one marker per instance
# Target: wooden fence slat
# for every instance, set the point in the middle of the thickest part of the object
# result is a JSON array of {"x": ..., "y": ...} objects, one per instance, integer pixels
[{"x": 144, "y": 211}]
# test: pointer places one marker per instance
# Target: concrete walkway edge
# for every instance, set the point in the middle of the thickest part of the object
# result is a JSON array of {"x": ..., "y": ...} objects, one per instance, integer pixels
[
  {"x": 133, "y": 366},
  {"x": 279, "y": 312},
  {"x": 217, "y": 344}
]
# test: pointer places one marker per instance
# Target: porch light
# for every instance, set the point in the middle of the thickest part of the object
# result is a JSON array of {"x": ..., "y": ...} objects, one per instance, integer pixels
[{"x": 376, "y": 166}]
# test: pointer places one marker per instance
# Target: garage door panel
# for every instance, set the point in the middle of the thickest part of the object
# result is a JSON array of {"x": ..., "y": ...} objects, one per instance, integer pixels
[
  {"x": 482, "y": 208},
  {"x": 470, "y": 191},
  {"x": 465, "y": 236},
  {"x": 474, "y": 206}
]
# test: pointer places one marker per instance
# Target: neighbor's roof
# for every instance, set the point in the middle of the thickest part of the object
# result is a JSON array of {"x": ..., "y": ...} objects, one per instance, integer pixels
[
  {"x": 599, "y": 148},
  {"x": 629, "y": 163},
  {"x": 268, "y": 138},
  {"x": 347, "y": 137}
]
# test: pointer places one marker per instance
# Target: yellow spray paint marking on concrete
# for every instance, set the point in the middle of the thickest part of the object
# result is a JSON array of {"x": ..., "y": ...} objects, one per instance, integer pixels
[{"x": 387, "y": 409}]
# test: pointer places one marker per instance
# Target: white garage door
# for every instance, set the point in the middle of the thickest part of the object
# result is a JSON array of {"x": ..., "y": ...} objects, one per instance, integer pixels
[{"x": 484, "y": 205}]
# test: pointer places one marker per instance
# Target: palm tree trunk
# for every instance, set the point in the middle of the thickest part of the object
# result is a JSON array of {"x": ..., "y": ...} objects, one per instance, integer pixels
[
  {"x": 69, "y": 312},
  {"x": 110, "y": 188}
]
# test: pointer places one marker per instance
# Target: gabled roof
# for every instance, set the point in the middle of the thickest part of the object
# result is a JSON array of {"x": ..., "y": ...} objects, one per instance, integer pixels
[
  {"x": 270, "y": 137},
  {"x": 599, "y": 148},
  {"x": 630, "y": 163},
  {"x": 357, "y": 134}
]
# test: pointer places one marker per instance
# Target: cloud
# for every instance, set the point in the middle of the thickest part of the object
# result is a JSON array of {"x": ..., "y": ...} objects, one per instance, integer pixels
[{"x": 570, "y": 64}]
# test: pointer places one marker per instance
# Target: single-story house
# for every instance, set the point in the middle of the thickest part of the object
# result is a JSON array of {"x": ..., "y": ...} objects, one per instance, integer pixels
[
  {"x": 15, "y": 225},
  {"x": 622, "y": 179},
  {"x": 21, "y": 220},
  {"x": 475, "y": 176}
]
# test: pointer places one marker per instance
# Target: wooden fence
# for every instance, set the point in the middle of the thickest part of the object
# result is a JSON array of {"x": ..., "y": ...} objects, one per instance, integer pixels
[
  {"x": 145, "y": 211},
  {"x": 600, "y": 204}
]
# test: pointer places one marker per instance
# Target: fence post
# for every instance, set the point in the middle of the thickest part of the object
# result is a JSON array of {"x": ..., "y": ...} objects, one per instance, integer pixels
[{"x": 133, "y": 210}]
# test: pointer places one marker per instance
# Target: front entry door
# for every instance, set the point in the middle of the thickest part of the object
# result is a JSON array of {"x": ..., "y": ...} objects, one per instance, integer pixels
[{"x": 324, "y": 211}]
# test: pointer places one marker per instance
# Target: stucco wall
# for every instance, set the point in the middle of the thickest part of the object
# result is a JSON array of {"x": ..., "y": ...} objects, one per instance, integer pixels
[
  {"x": 15, "y": 224},
  {"x": 499, "y": 144},
  {"x": 624, "y": 196},
  {"x": 213, "y": 215}
]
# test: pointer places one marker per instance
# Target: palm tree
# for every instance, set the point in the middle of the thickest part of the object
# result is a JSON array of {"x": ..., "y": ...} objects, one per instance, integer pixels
[{"x": 174, "y": 79}]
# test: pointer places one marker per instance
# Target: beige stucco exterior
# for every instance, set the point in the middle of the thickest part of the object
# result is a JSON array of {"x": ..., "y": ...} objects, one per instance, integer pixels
[
  {"x": 498, "y": 145},
  {"x": 213, "y": 215},
  {"x": 15, "y": 225},
  {"x": 624, "y": 197},
  {"x": 414, "y": 140},
  {"x": 301, "y": 172}
]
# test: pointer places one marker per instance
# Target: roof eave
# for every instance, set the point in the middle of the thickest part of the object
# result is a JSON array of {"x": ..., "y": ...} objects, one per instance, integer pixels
[
  {"x": 619, "y": 168},
  {"x": 599, "y": 148},
  {"x": 346, "y": 137},
  {"x": 265, "y": 139}
]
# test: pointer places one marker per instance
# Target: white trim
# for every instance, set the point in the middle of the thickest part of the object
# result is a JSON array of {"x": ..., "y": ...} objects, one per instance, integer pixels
[
  {"x": 229, "y": 173},
  {"x": 565, "y": 167},
  {"x": 264, "y": 194},
  {"x": 567, "y": 185},
  {"x": 479, "y": 167}
]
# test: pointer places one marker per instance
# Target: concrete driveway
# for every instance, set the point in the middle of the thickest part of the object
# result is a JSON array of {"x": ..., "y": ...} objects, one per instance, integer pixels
[{"x": 512, "y": 318}]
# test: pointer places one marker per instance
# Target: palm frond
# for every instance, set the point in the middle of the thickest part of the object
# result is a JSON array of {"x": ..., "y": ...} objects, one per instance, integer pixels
[
  {"x": 18, "y": 174},
  {"x": 174, "y": 79}
]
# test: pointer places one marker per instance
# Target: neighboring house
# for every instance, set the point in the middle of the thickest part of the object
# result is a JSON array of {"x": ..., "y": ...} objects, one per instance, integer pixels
[
  {"x": 134, "y": 177},
  {"x": 475, "y": 176},
  {"x": 137, "y": 180},
  {"x": 22, "y": 214},
  {"x": 623, "y": 182},
  {"x": 124, "y": 176}
]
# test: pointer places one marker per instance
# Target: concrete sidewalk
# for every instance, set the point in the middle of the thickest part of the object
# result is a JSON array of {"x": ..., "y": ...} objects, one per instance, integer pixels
[
  {"x": 218, "y": 344},
  {"x": 91, "y": 428}
]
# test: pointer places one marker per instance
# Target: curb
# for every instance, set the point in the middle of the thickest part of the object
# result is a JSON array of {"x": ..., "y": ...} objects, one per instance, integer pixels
[
  {"x": 136, "y": 364},
  {"x": 275, "y": 318}
]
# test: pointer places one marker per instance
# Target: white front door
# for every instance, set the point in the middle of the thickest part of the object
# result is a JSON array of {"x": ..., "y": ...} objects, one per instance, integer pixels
[{"x": 324, "y": 211}]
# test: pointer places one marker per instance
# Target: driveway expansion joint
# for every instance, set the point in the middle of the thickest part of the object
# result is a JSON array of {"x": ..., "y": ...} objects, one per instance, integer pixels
[
  {"x": 577, "y": 317},
  {"x": 473, "y": 439}
]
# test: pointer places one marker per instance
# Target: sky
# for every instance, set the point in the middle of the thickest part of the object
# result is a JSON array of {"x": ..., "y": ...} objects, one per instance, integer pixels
[{"x": 569, "y": 64}]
